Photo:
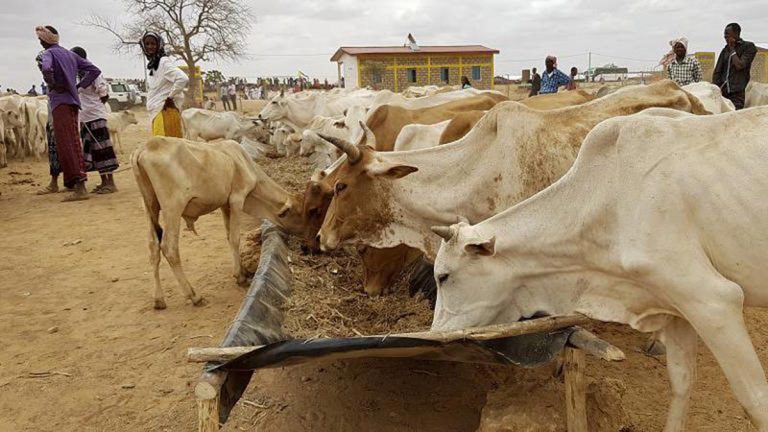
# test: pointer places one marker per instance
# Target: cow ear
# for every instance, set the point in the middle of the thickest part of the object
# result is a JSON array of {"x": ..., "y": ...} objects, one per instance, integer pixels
[
  {"x": 392, "y": 170},
  {"x": 483, "y": 248}
]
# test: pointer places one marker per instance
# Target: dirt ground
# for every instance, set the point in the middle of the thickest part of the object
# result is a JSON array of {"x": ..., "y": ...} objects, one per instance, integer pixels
[{"x": 83, "y": 350}]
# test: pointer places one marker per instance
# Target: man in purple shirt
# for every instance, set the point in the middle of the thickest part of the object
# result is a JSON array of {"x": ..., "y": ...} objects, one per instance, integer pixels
[{"x": 61, "y": 68}]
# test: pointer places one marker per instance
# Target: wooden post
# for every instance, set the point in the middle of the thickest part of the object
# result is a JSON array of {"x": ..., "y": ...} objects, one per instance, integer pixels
[
  {"x": 575, "y": 390},
  {"x": 207, "y": 394}
]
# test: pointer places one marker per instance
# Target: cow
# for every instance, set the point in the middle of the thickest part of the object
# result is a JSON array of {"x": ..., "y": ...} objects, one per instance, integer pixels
[
  {"x": 298, "y": 112},
  {"x": 757, "y": 94},
  {"x": 387, "y": 121},
  {"x": 418, "y": 136},
  {"x": 117, "y": 122},
  {"x": 710, "y": 96},
  {"x": 643, "y": 230},
  {"x": 200, "y": 124},
  {"x": 14, "y": 113},
  {"x": 188, "y": 179},
  {"x": 558, "y": 100},
  {"x": 346, "y": 126},
  {"x": 512, "y": 153}
]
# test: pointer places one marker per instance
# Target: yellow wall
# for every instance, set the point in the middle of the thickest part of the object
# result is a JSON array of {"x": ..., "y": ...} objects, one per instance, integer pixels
[{"x": 393, "y": 69}]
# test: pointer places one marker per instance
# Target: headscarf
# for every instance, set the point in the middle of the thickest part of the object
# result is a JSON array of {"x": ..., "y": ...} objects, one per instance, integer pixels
[
  {"x": 46, "y": 35},
  {"x": 668, "y": 57},
  {"x": 154, "y": 60}
]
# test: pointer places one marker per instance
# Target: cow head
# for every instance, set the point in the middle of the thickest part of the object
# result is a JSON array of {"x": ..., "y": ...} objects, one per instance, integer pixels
[
  {"x": 13, "y": 118},
  {"x": 382, "y": 267},
  {"x": 129, "y": 117},
  {"x": 289, "y": 216},
  {"x": 360, "y": 205},
  {"x": 317, "y": 198},
  {"x": 466, "y": 256},
  {"x": 276, "y": 109}
]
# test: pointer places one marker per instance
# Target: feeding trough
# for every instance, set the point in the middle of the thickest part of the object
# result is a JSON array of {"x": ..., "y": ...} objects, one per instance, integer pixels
[{"x": 256, "y": 340}]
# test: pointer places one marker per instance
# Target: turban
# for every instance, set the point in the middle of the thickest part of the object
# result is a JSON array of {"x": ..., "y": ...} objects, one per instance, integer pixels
[
  {"x": 668, "y": 57},
  {"x": 46, "y": 35}
]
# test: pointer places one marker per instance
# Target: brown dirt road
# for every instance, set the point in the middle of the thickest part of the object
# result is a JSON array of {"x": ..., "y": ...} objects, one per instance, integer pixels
[{"x": 112, "y": 363}]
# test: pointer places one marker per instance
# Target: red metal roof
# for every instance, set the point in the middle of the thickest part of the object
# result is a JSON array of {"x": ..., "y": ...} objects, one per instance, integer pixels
[{"x": 441, "y": 49}]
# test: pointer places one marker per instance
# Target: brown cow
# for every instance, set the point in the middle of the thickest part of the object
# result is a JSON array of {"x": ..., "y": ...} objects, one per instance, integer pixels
[{"x": 387, "y": 121}]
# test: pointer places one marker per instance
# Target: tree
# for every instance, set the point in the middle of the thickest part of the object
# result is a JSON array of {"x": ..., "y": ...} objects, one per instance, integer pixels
[
  {"x": 214, "y": 77},
  {"x": 193, "y": 30}
]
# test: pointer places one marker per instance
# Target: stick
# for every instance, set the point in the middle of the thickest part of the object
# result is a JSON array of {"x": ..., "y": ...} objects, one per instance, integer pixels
[
  {"x": 497, "y": 331},
  {"x": 207, "y": 393},
  {"x": 587, "y": 341},
  {"x": 575, "y": 390}
]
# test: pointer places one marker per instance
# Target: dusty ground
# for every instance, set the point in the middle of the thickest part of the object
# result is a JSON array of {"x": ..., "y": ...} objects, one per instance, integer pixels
[{"x": 82, "y": 349}]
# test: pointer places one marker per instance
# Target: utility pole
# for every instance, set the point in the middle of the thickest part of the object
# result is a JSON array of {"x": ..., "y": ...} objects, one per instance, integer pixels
[{"x": 589, "y": 67}]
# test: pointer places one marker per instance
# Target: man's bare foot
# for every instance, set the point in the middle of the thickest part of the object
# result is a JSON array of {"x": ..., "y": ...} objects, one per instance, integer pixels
[
  {"x": 107, "y": 189},
  {"x": 97, "y": 188},
  {"x": 51, "y": 188},
  {"x": 80, "y": 193}
]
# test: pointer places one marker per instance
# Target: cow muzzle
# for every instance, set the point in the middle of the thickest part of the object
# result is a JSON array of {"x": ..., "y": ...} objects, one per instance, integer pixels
[{"x": 327, "y": 242}]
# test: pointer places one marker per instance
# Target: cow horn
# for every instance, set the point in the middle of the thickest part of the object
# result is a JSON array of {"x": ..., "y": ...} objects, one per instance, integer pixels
[
  {"x": 353, "y": 153},
  {"x": 443, "y": 231},
  {"x": 370, "y": 138}
]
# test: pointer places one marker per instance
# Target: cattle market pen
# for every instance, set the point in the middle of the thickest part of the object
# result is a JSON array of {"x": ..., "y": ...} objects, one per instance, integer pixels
[{"x": 255, "y": 340}]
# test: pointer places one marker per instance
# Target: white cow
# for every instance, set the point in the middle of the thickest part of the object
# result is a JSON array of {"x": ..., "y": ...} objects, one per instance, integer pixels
[
  {"x": 346, "y": 126},
  {"x": 757, "y": 94},
  {"x": 710, "y": 96},
  {"x": 642, "y": 230},
  {"x": 14, "y": 117},
  {"x": 389, "y": 98},
  {"x": 418, "y": 136},
  {"x": 299, "y": 112},
  {"x": 117, "y": 122},
  {"x": 200, "y": 124}
]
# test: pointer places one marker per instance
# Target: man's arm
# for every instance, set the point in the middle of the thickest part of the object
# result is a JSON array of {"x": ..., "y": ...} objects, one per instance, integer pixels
[
  {"x": 562, "y": 79},
  {"x": 91, "y": 72},
  {"x": 177, "y": 77},
  {"x": 47, "y": 69},
  {"x": 745, "y": 60}
]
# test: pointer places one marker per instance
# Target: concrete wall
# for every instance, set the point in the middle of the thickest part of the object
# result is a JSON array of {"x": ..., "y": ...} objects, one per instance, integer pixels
[{"x": 349, "y": 70}]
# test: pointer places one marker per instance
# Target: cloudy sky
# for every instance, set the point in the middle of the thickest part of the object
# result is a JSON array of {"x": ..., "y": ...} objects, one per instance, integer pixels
[{"x": 303, "y": 34}]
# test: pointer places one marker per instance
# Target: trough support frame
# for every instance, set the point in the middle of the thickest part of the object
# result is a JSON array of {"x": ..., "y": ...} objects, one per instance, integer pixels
[
  {"x": 207, "y": 393},
  {"x": 574, "y": 365}
]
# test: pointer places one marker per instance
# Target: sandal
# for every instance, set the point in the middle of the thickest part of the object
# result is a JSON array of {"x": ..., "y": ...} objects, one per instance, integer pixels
[
  {"x": 106, "y": 190},
  {"x": 47, "y": 190},
  {"x": 97, "y": 188}
]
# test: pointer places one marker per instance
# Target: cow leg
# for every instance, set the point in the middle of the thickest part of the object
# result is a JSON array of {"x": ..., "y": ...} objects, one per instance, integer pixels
[
  {"x": 682, "y": 343},
  {"x": 726, "y": 336},
  {"x": 154, "y": 260},
  {"x": 170, "y": 247},
  {"x": 232, "y": 225},
  {"x": 118, "y": 142}
]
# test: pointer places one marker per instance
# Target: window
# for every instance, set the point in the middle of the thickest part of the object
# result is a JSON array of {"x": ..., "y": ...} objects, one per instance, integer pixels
[
  {"x": 444, "y": 75},
  {"x": 119, "y": 88},
  {"x": 476, "y": 73},
  {"x": 377, "y": 77},
  {"x": 411, "y": 75}
]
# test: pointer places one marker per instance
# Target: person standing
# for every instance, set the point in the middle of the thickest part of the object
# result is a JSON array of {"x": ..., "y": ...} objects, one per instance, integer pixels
[
  {"x": 732, "y": 71},
  {"x": 535, "y": 83},
  {"x": 465, "y": 84},
  {"x": 552, "y": 78},
  {"x": 232, "y": 91},
  {"x": 60, "y": 68},
  {"x": 681, "y": 68},
  {"x": 43, "y": 89},
  {"x": 165, "y": 86},
  {"x": 53, "y": 158},
  {"x": 32, "y": 91},
  {"x": 97, "y": 146},
  {"x": 224, "y": 97},
  {"x": 572, "y": 83}
]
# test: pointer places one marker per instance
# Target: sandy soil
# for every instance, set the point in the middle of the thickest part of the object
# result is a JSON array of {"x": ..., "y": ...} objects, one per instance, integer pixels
[{"x": 83, "y": 350}]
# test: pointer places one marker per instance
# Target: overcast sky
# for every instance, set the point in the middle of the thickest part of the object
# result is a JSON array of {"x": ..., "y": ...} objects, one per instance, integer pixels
[{"x": 303, "y": 34}]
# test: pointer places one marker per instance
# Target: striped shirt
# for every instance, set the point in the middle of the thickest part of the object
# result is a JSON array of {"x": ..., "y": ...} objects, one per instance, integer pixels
[{"x": 684, "y": 72}]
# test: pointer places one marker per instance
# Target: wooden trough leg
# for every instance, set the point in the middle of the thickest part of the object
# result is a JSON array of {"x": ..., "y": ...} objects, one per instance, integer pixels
[
  {"x": 207, "y": 393},
  {"x": 575, "y": 390}
]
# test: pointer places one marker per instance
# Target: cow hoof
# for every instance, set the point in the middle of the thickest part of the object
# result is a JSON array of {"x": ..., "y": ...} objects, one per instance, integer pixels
[
  {"x": 198, "y": 301},
  {"x": 654, "y": 348},
  {"x": 160, "y": 304}
]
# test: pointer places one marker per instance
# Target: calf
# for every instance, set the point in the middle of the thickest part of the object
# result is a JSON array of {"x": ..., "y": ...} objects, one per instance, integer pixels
[
  {"x": 117, "y": 122},
  {"x": 187, "y": 179}
]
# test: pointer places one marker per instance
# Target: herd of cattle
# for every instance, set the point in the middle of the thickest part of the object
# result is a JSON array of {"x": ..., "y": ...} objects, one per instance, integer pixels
[
  {"x": 23, "y": 122},
  {"x": 643, "y": 205}
]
